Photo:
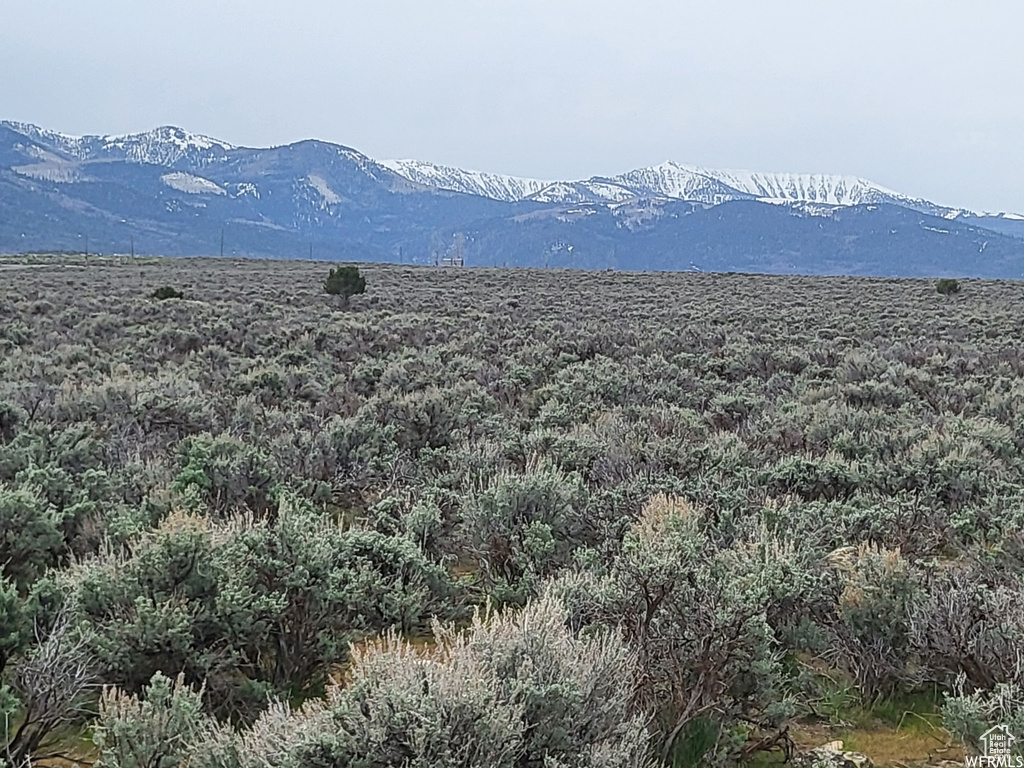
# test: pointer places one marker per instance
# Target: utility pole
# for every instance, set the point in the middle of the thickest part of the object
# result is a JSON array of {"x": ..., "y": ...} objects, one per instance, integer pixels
[
  {"x": 310, "y": 251},
  {"x": 133, "y": 246},
  {"x": 222, "y": 243},
  {"x": 87, "y": 246}
]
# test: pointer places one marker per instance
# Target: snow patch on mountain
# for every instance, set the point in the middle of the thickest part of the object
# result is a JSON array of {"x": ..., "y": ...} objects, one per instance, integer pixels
[
  {"x": 320, "y": 185},
  {"x": 823, "y": 210},
  {"x": 35, "y": 152},
  {"x": 569, "y": 192},
  {"x": 55, "y": 172},
  {"x": 714, "y": 186},
  {"x": 193, "y": 185},
  {"x": 1006, "y": 223},
  {"x": 669, "y": 180},
  {"x": 828, "y": 189},
  {"x": 246, "y": 188},
  {"x": 48, "y": 166},
  {"x": 960, "y": 213},
  {"x": 637, "y": 213},
  {"x": 62, "y": 142},
  {"x": 375, "y": 169}
]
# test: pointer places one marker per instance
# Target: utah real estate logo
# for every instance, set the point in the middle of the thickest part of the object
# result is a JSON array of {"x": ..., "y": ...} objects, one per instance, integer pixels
[{"x": 998, "y": 745}]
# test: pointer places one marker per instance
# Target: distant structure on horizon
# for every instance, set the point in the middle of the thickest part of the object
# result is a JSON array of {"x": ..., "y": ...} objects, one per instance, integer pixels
[{"x": 455, "y": 257}]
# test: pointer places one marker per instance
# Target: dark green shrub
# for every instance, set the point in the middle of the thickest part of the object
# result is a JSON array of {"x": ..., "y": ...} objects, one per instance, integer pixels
[
  {"x": 14, "y": 629},
  {"x": 173, "y": 607},
  {"x": 166, "y": 292},
  {"x": 30, "y": 537},
  {"x": 947, "y": 286},
  {"x": 226, "y": 475},
  {"x": 345, "y": 282},
  {"x": 11, "y": 418},
  {"x": 826, "y": 477}
]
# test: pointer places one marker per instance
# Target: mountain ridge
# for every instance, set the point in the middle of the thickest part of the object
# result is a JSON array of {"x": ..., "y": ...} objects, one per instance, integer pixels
[
  {"x": 674, "y": 181},
  {"x": 175, "y": 192},
  {"x": 169, "y": 145}
]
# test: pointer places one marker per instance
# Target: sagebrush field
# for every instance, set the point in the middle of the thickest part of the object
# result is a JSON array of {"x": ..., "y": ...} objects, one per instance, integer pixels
[{"x": 490, "y": 517}]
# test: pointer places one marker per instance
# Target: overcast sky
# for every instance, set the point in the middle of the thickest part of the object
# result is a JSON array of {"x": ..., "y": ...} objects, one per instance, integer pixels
[{"x": 924, "y": 96}]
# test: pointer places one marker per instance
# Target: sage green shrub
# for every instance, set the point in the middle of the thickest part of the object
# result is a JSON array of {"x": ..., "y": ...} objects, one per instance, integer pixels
[
  {"x": 226, "y": 476},
  {"x": 879, "y": 592},
  {"x": 969, "y": 715},
  {"x": 252, "y": 606},
  {"x": 522, "y": 528},
  {"x": 476, "y": 433},
  {"x": 515, "y": 689},
  {"x": 156, "y": 729},
  {"x": 700, "y": 619}
]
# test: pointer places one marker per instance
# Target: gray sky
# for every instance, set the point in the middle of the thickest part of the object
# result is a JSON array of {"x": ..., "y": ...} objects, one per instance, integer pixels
[{"x": 924, "y": 96}]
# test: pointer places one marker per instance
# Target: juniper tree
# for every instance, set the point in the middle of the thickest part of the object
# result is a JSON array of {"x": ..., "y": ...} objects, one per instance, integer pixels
[{"x": 345, "y": 282}]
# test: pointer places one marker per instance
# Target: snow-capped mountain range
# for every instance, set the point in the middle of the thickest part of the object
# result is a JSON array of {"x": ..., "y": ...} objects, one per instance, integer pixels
[
  {"x": 669, "y": 180},
  {"x": 169, "y": 190},
  {"x": 173, "y": 147},
  {"x": 674, "y": 181}
]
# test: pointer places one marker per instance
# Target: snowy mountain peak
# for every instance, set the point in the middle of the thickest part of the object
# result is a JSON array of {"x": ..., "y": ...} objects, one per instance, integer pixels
[
  {"x": 52, "y": 139},
  {"x": 168, "y": 135},
  {"x": 493, "y": 185},
  {"x": 167, "y": 145},
  {"x": 681, "y": 182}
]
